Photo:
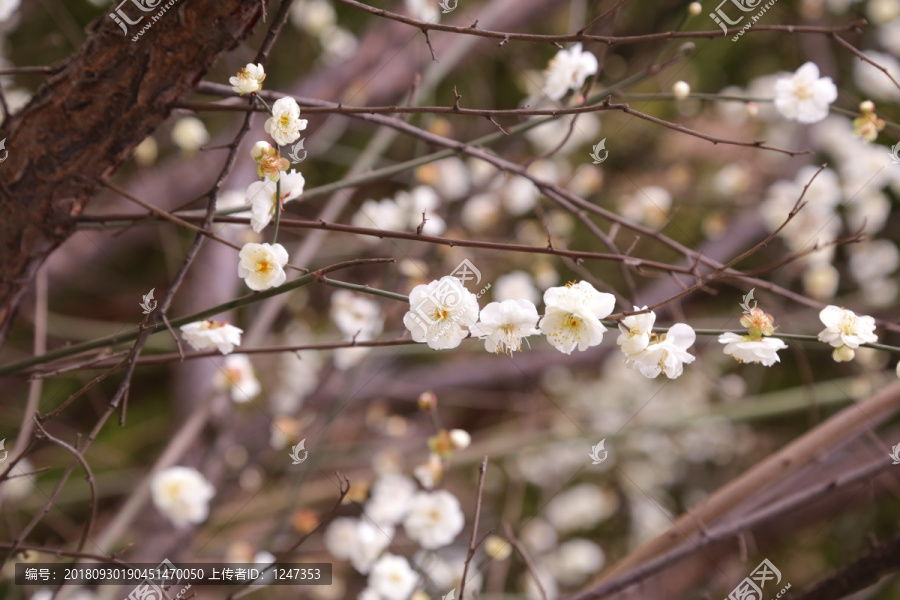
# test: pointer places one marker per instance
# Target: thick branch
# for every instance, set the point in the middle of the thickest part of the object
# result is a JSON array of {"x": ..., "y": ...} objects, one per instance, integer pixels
[{"x": 88, "y": 116}]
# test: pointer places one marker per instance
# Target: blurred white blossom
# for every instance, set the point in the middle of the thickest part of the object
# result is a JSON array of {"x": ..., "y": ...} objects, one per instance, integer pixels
[
  {"x": 392, "y": 578},
  {"x": 434, "y": 519},
  {"x": 238, "y": 378},
  {"x": 189, "y": 133},
  {"x": 804, "y": 96},
  {"x": 182, "y": 494},
  {"x": 568, "y": 70}
]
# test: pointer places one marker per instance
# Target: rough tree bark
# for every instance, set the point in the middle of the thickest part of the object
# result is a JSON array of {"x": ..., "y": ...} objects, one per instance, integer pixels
[{"x": 91, "y": 112}]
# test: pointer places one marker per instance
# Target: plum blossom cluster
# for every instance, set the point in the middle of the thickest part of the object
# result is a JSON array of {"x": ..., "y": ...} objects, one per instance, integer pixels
[
  {"x": 443, "y": 313},
  {"x": 261, "y": 266},
  {"x": 430, "y": 519}
]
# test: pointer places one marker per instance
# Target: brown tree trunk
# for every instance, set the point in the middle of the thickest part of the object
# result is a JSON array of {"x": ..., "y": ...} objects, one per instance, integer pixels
[{"x": 91, "y": 112}]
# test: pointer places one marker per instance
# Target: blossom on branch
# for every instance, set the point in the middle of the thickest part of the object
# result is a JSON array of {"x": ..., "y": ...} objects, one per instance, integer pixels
[
  {"x": 438, "y": 312},
  {"x": 503, "y": 325},
  {"x": 208, "y": 334},
  {"x": 261, "y": 266},
  {"x": 572, "y": 317},
  {"x": 285, "y": 123},
  {"x": 249, "y": 79},
  {"x": 804, "y": 96},
  {"x": 668, "y": 355},
  {"x": 756, "y": 346},
  {"x": 845, "y": 331},
  {"x": 262, "y": 197},
  {"x": 567, "y": 71}
]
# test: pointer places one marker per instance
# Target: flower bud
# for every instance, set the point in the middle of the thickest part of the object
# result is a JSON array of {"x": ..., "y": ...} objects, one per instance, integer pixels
[
  {"x": 261, "y": 149},
  {"x": 843, "y": 354},
  {"x": 427, "y": 401},
  {"x": 694, "y": 8},
  {"x": 681, "y": 90},
  {"x": 460, "y": 439}
]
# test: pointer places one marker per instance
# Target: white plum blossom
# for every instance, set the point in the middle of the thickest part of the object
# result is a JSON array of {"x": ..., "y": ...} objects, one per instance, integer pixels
[
  {"x": 208, "y": 334},
  {"x": 182, "y": 494},
  {"x": 261, "y": 266},
  {"x": 369, "y": 594},
  {"x": 356, "y": 315},
  {"x": 402, "y": 213},
  {"x": 635, "y": 331},
  {"x": 262, "y": 194},
  {"x": 189, "y": 133},
  {"x": 392, "y": 578},
  {"x": 434, "y": 519},
  {"x": 503, "y": 325},
  {"x": 575, "y": 560},
  {"x": 581, "y": 507},
  {"x": 744, "y": 349},
  {"x": 572, "y": 316},
  {"x": 668, "y": 356},
  {"x": 249, "y": 79},
  {"x": 340, "y": 537},
  {"x": 438, "y": 312},
  {"x": 313, "y": 16},
  {"x": 390, "y": 499},
  {"x": 567, "y": 71},
  {"x": 372, "y": 540},
  {"x": 285, "y": 123},
  {"x": 804, "y": 96},
  {"x": 845, "y": 331},
  {"x": 237, "y": 377}
]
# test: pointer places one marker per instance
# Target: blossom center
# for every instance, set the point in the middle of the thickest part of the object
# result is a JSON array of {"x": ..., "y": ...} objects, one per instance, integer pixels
[
  {"x": 802, "y": 89},
  {"x": 263, "y": 266}
]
